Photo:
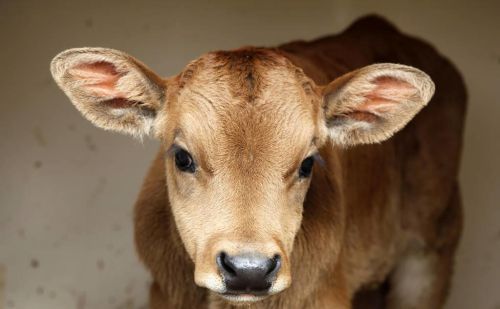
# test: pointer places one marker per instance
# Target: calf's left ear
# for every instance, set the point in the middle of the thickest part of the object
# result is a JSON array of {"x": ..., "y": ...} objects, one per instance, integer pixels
[
  {"x": 110, "y": 88},
  {"x": 370, "y": 104}
]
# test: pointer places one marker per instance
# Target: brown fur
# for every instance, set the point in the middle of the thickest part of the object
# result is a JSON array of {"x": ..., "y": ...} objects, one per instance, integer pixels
[{"x": 370, "y": 214}]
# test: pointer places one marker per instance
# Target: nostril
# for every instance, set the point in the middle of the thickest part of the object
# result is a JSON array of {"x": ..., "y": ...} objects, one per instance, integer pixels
[
  {"x": 274, "y": 265},
  {"x": 225, "y": 264}
]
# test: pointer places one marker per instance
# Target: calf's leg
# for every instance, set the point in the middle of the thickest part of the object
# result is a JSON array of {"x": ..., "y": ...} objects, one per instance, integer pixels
[{"x": 422, "y": 278}]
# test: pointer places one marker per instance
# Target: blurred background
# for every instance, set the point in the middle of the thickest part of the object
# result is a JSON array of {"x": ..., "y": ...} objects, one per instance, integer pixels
[{"x": 67, "y": 188}]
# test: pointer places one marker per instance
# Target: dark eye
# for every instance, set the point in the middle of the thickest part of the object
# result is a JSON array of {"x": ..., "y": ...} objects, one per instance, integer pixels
[
  {"x": 184, "y": 161},
  {"x": 306, "y": 167}
]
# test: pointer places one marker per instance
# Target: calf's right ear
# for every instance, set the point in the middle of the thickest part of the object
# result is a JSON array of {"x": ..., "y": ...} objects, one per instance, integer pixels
[{"x": 110, "y": 88}]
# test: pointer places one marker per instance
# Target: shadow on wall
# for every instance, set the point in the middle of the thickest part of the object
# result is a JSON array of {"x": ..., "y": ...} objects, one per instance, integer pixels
[{"x": 2, "y": 286}]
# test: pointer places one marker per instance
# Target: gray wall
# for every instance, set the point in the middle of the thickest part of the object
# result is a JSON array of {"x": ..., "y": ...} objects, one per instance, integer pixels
[{"x": 67, "y": 188}]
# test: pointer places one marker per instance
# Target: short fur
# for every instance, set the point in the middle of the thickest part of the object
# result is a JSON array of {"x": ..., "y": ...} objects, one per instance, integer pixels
[{"x": 385, "y": 214}]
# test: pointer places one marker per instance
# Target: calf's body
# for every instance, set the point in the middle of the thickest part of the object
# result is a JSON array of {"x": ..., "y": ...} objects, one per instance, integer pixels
[
  {"x": 396, "y": 203},
  {"x": 383, "y": 214}
]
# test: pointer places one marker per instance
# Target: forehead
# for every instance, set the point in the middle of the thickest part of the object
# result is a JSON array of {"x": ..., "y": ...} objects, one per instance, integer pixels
[{"x": 246, "y": 101}]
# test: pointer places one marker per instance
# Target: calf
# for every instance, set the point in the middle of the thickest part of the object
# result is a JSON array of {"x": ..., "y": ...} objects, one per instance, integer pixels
[{"x": 277, "y": 183}]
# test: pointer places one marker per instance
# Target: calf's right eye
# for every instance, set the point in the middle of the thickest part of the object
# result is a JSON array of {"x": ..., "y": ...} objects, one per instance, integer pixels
[{"x": 184, "y": 161}]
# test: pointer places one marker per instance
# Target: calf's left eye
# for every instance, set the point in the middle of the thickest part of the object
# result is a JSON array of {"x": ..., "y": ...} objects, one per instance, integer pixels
[{"x": 306, "y": 166}]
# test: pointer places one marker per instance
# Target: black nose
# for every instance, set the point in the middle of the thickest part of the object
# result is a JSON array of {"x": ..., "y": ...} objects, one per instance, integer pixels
[{"x": 248, "y": 273}]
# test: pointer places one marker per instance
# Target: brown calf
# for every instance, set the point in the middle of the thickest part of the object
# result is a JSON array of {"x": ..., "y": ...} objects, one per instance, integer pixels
[{"x": 235, "y": 210}]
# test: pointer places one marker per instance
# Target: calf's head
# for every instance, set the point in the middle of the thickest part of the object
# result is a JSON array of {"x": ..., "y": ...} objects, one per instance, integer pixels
[{"x": 241, "y": 131}]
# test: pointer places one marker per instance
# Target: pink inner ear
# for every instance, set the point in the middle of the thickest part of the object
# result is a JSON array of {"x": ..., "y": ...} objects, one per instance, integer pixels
[
  {"x": 388, "y": 93},
  {"x": 100, "y": 78}
]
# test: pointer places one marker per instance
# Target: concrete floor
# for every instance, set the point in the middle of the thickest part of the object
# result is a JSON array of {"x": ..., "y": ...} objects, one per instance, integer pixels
[{"x": 67, "y": 188}]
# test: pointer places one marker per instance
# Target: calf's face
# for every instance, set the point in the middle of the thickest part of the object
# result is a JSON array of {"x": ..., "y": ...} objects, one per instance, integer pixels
[
  {"x": 240, "y": 150},
  {"x": 241, "y": 132}
]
